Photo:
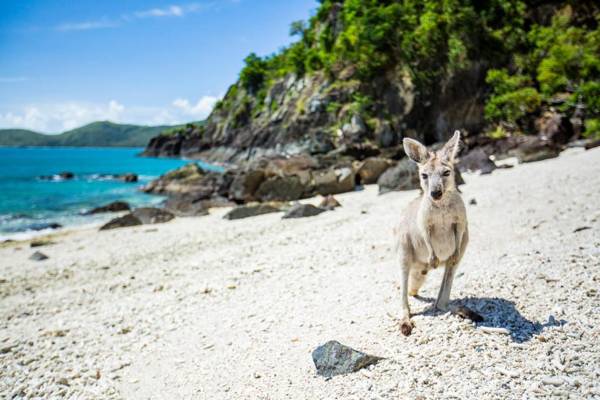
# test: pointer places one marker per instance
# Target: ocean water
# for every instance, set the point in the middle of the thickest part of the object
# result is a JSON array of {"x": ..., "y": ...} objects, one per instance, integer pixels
[{"x": 28, "y": 203}]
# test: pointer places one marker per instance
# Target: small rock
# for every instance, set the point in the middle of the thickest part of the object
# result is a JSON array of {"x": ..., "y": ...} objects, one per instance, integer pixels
[
  {"x": 581, "y": 228},
  {"x": 41, "y": 242},
  {"x": 129, "y": 178},
  {"x": 334, "y": 358},
  {"x": 63, "y": 381},
  {"x": 66, "y": 175},
  {"x": 329, "y": 203},
  {"x": 303, "y": 210},
  {"x": 473, "y": 202},
  {"x": 467, "y": 313},
  {"x": 38, "y": 256}
]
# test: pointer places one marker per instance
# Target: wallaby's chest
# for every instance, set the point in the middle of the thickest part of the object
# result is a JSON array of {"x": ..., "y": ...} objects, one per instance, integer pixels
[{"x": 438, "y": 225}]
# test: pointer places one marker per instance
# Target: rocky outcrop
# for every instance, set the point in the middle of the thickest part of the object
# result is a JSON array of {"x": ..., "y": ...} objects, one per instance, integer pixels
[
  {"x": 371, "y": 169},
  {"x": 188, "y": 179},
  {"x": 334, "y": 358},
  {"x": 403, "y": 176},
  {"x": 115, "y": 206},
  {"x": 477, "y": 161},
  {"x": 144, "y": 215},
  {"x": 121, "y": 222},
  {"x": 533, "y": 148}
]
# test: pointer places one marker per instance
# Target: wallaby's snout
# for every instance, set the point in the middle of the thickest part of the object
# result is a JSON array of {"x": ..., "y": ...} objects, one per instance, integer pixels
[{"x": 436, "y": 194}]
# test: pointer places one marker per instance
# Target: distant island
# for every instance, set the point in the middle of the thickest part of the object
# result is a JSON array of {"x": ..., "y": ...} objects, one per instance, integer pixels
[{"x": 96, "y": 134}]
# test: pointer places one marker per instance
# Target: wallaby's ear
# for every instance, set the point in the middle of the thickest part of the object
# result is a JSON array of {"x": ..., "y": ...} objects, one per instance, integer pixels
[
  {"x": 450, "y": 149},
  {"x": 415, "y": 150}
]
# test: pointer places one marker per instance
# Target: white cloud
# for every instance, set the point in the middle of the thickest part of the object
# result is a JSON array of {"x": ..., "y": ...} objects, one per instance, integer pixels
[
  {"x": 199, "y": 110},
  {"x": 54, "y": 118},
  {"x": 170, "y": 11},
  {"x": 86, "y": 25}
]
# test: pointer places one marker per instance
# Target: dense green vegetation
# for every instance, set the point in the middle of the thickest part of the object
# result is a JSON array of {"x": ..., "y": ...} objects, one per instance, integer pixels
[
  {"x": 534, "y": 60},
  {"x": 101, "y": 134},
  {"x": 558, "y": 63}
]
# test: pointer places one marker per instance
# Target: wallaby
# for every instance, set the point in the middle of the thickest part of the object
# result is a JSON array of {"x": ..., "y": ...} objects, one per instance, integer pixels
[{"x": 433, "y": 228}]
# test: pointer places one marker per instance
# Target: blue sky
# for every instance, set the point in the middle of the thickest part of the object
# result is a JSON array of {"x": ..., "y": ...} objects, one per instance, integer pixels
[{"x": 66, "y": 63}]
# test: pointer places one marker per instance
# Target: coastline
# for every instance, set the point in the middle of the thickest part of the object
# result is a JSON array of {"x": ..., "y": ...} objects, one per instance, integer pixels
[{"x": 208, "y": 308}]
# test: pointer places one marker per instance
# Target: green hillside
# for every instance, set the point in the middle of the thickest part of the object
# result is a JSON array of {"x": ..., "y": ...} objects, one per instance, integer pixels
[{"x": 101, "y": 134}]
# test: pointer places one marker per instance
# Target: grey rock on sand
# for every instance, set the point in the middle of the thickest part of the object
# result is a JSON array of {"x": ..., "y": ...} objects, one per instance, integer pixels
[
  {"x": 334, "y": 358},
  {"x": 38, "y": 256},
  {"x": 250, "y": 211},
  {"x": 303, "y": 210}
]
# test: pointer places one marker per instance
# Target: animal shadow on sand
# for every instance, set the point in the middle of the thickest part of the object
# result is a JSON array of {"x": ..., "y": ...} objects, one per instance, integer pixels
[{"x": 497, "y": 313}]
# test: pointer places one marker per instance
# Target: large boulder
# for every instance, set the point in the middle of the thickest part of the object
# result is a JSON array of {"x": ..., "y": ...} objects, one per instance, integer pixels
[
  {"x": 151, "y": 215},
  {"x": 121, "y": 222},
  {"x": 189, "y": 205},
  {"x": 532, "y": 148},
  {"x": 245, "y": 184},
  {"x": 476, "y": 161},
  {"x": 189, "y": 178},
  {"x": 186, "y": 205},
  {"x": 370, "y": 169},
  {"x": 284, "y": 188},
  {"x": 303, "y": 210},
  {"x": 115, "y": 206},
  {"x": 334, "y": 181},
  {"x": 403, "y": 176},
  {"x": 251, "y": 211},
  {"x": 334, "y": 358}
]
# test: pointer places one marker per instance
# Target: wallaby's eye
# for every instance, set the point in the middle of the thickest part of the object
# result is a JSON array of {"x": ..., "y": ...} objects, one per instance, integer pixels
[
  {"x": 447, "y": 172},
  {"x": 424, "y": 176}
]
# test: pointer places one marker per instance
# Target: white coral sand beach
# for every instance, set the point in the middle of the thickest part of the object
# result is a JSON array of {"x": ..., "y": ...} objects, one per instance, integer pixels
[{"x": 206, "y": 308}]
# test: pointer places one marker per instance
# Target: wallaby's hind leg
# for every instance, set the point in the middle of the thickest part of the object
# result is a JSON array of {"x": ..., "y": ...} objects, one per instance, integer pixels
[
  {"x": 406, "y": 324},
  {"x": 416, "y": 279},
  {"x": 406, "y": 265},
  {"x": 451, "y": 266}
]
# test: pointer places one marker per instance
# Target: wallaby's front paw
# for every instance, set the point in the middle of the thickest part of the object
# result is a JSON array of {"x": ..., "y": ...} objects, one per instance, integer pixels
[
  {"x": 433, "y": 261},
  {"x": 406, "y": 326},
  {"x": 452, "y": 260}
]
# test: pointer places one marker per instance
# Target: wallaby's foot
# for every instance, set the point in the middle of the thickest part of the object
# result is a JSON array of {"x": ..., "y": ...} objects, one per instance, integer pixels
[
  {"x": 441, "y": 305},
  {"x": 413, "y": 292},
  {"x": 406, "y": 326}
]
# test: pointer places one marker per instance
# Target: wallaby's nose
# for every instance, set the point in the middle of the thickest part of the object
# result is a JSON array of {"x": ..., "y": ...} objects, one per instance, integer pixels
[{"x": 436, "y": 194}]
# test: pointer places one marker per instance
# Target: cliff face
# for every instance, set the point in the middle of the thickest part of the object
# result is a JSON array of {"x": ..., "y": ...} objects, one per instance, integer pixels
[
  {"x": 367, "y": 73},
  {"x": 302, "y": 115}
]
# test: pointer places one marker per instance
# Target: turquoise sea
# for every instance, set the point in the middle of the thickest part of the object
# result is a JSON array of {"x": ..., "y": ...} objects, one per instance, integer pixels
[{"x": 29, "y": 203}]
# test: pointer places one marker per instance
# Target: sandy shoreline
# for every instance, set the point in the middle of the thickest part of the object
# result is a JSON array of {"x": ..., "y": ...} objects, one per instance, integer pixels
[{"x": 208, "y": 308}]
